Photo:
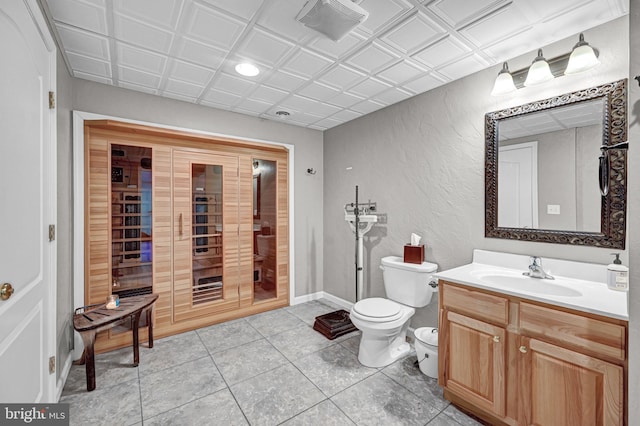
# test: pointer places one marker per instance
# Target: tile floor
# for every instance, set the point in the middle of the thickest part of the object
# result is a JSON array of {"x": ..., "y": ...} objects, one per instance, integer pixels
[{"x": 267, "y": 369}]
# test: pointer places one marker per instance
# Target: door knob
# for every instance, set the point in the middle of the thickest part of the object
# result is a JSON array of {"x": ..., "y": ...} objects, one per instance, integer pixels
[
  {"x": 523, "y": 349},
  {"x": 496, "y": 339},
  {"x": 6, "y": 291}
]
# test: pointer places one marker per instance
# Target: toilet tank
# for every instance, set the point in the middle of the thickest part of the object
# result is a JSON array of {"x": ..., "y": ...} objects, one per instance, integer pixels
[{"x": 408, "y": 283}]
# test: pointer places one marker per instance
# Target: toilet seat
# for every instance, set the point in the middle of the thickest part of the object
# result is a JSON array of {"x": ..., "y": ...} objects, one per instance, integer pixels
[{"x": 377, "y": 309}]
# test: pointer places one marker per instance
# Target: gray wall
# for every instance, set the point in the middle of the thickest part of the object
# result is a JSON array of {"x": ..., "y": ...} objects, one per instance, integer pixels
[
  {"x": 634, "y": 213},
  {"x": 422, "y": 160},
  {"x": 64, "y": 234},
  {"x": 99, "y": 98}
]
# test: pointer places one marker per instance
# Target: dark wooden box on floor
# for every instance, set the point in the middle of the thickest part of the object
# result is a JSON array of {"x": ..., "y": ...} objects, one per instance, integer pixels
[
  {"x": 334, "y": 324},
  {"x": 414, "y": 254}
]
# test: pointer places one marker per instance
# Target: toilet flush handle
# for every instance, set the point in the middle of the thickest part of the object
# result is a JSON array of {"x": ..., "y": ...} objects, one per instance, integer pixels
[{"x": 381, "y": 267}]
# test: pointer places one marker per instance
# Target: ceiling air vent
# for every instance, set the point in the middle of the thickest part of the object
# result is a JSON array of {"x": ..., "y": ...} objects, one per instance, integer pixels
[{"x": 333, "y": 18}]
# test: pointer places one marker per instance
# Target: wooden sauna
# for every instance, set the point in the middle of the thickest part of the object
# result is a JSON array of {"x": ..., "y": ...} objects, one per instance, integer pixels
[{"x": 201, "y": 221}]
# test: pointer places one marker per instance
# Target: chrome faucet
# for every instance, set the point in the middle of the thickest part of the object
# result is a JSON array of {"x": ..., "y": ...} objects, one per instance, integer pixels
[{"x": 536, "y": 271}]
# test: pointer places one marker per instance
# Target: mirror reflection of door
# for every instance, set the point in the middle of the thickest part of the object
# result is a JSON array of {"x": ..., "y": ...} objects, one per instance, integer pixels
[{"x": 518, "y": 186}]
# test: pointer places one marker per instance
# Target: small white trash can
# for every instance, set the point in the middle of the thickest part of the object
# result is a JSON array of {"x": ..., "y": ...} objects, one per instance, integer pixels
[{"x": 427, "y": 350}]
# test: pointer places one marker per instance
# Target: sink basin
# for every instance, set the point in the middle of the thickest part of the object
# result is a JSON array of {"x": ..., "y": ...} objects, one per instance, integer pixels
[{"x": 515, "y": 281}]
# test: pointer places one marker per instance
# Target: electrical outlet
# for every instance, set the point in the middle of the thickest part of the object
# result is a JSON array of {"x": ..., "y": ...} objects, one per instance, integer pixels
[{"x": 553, "y": 209}]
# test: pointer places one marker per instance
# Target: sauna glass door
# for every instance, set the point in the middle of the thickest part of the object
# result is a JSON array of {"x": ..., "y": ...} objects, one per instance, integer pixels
[
  {"x": 265, "y": 215},
  {"x": 131, "y": 220},
  {"x": 205, "y": 217}
]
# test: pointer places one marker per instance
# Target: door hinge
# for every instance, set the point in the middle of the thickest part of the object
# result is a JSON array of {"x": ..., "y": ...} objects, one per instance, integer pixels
[
  {"x": 52, "y": 232},
  {"x": 52, "y": 364},
  {"x": 52, "y": 100}
]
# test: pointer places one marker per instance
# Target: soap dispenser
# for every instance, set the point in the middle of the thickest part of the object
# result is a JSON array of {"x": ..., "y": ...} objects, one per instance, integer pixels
[{"x": 617, "y": 275}]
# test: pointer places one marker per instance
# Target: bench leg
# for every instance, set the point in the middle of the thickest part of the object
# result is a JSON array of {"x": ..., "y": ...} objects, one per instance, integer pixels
[
  {"x": 136, "y": 348},
  {"x": 89, "y": 339},
  {"x": 150, "y": 327}
]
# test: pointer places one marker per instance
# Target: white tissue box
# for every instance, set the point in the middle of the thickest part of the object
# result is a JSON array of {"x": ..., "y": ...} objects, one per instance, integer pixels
[{"x": 413, "y": 254}]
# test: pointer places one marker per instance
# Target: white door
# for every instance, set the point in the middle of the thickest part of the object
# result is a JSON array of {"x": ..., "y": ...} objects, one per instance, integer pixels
[
  {"x": 518, "y": 186},
  {"x": 27, "y": 204}
]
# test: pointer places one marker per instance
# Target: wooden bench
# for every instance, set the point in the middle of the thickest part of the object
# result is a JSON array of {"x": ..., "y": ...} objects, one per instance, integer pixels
[{"x": 90, "y": 320}]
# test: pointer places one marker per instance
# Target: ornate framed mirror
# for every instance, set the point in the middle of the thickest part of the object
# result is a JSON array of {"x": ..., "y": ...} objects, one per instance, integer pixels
[{"x": 542, "y": 169}]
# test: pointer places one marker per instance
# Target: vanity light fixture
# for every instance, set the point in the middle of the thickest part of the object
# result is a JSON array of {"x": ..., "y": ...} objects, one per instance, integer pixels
[
  {"x": 583, "y": 57},
  {"x": 247, "y": 69},
  {"x": 539, "y": 71},
  {"x": 504, "y": 82}
]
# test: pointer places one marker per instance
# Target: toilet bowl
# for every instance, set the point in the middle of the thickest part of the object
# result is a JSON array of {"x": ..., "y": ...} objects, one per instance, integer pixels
[{"x": 384, "y": 322}]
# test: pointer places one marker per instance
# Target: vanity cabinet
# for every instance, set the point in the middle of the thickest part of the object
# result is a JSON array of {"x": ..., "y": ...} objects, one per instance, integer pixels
[{"x": 518, "y": 362}]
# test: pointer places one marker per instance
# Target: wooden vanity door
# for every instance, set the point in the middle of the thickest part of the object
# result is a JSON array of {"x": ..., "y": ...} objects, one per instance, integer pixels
[
  {"x": 474, "y": 363},
  {"x": 205, "y": 234},
  {"x": 563, "y": 387}
]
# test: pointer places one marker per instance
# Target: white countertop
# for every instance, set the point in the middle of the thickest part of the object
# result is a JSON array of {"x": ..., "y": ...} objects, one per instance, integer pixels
[{"x": 579, "y": 292}]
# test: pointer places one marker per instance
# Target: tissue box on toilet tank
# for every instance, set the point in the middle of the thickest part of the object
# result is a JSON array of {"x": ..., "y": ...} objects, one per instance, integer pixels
[{"x": 413, "y": 254}]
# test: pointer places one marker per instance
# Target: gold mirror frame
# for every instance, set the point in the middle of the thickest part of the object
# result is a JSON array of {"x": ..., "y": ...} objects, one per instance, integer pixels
[{"x": 613, "y": 206}]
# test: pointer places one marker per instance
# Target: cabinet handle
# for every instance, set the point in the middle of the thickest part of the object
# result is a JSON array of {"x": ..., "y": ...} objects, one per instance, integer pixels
[
  {"x": 523, "y": 349},
  {"x": 496, "y": 339},
  {"x": 180, "y": 225}
]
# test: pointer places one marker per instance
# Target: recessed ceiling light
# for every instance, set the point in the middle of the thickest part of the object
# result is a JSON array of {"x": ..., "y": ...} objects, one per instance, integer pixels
[{"x": 247, "y": 69}]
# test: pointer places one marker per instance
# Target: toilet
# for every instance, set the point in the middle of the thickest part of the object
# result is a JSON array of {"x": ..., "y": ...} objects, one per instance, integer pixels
[{"x": 384, "y": 322}]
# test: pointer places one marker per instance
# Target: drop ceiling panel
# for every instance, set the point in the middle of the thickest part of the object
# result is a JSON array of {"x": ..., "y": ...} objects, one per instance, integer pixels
[
  {"x": 424, "y": 83},
  {"x": 441, "y": 52},
  {"x": 187, "y": 49},
  {"x": 88, "y": 65},
  {"x": 232, "y": 84},
  {"x": 141, "y": 59},
  {"x": 212, "y": 27},
  {"x": 141, "y": 34},
  {"x": 164, "y": 13},
  {"x": 280, "y": 17},
  {"x": 373, "y": 58},
  {"x": 341, "y": 77},
  {"x": 138, "y": 77},
  {"x": 222, "y": 98},
  {"x": 264, "y": 47},
  {"x": 306, "y": 63},
  {"x": 365, "y": 107},
  {"x": 269, "y": 94},
  {"x": 392, "y": 96},
  {"x": 244, "y": 9},
  {"x": 465, "y": 66},
  {"x": 84, "y": 43},
  {"x": 199, "y": 53},
  {"x": 369, "y": 88},
  {"x": 382, "y": 13},
  {"x": 345, "y": 100},
  {"x": 254, "y": 106},
  {"x": 80, "y": 14},
  {"x": 401, "y": 72},
  {"x": 458, "y": 13},
  {"x": 91, "y": 77},
  {"x": 180, "y": 87},
  {"x": 285, "y": 81},
  {"x": 403, "y": 36},
  {"x": 500, "y": 25},
  {"x": 137, "y": 87},
  {"x": 190, "y": 73},
  {"x": 319, "y": 91},
  {"x": 335, "y": 49}
]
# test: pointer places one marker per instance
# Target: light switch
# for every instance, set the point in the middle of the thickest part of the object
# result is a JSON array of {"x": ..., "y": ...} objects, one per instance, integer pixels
[{"x": 553, "y": 209}]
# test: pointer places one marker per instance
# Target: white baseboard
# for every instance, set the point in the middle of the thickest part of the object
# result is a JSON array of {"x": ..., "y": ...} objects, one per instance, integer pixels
[
  {"x": 66, "y": 368},
  {"x": 323, "y": 295}
]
